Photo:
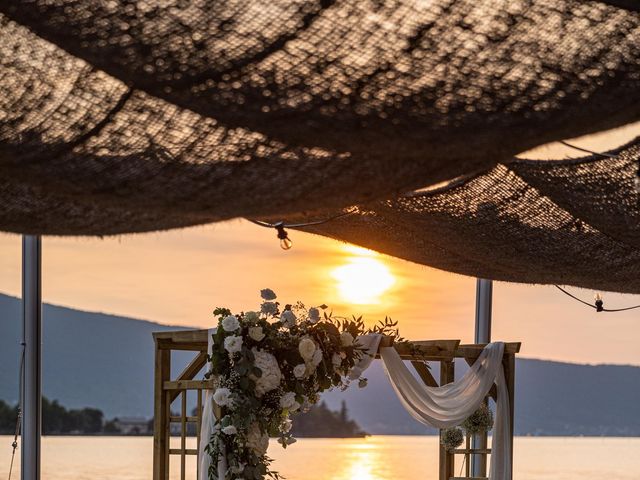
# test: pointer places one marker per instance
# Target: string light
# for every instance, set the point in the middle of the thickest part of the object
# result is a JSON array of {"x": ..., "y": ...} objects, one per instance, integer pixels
[
  {"x": 285, "y": 242},
  {"x": 598, "y": 303}
]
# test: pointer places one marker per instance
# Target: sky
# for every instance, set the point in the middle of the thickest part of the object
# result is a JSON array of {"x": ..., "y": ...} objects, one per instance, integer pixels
[{"x": 179, "y": 277}]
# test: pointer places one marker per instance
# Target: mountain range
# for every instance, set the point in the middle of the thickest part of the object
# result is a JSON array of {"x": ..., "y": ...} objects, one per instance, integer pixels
[{"x": 106, "y": 361}]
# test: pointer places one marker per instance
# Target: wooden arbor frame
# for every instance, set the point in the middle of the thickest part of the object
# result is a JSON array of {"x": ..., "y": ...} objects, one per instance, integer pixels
[{"x": 167, "y": 390}]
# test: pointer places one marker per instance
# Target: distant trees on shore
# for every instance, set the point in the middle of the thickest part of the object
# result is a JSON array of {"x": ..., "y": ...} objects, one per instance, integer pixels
[
  {"x": 56, "y": 419},
  {"x": 320, "y": 421}
]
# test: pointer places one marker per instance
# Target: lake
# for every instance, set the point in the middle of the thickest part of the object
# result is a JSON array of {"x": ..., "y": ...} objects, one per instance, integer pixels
[{"x": 372, "y": 458}]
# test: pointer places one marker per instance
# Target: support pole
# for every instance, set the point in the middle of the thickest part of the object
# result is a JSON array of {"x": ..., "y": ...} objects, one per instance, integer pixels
[
  {"x": 484, "y": 298},
  {"x": 32, "y": 374}
]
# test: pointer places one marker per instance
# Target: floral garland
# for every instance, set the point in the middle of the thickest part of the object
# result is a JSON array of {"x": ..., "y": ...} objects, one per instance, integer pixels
[{"x": 269, "y": 365}]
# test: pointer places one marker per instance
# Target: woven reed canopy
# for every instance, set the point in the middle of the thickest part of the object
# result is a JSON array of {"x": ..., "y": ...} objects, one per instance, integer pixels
[{"x": 121, "y": 116}]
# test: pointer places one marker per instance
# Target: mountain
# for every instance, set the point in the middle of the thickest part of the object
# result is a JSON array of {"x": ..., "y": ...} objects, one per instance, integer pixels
[{"x": 105, "y": 361}]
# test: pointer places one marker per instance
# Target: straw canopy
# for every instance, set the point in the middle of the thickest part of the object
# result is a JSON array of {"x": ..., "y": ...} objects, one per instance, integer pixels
[{"x": 127, "y": 116}]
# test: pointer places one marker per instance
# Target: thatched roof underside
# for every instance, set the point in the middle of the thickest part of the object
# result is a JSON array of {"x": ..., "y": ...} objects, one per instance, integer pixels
[{"x": 128, "y": 116}]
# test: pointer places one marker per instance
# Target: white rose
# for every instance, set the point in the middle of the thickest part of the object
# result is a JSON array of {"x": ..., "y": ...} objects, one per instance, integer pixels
[
  {"x": 267, "y": 294},
  {"x": 285, "y": 426},
  {"x": 288, "y": 319},
  {"x": 299, "y": 371},
  {"x": 317, "y": 358},
  {"x": 230, "y": 323},
  {"x": 307, "y": 348},
  {"x": 256, "y": 333},
  {"x": 346, "y": 339},
  {"x": 233, "y": 343},
  {"x": 271, "y": 375},
  {"x": 230, "y": 430},
  {"x": 287, "y": 400},
  {"x": 251, "y": 317},
  {"x": 314, "y": 315},
  {"x": 336, "y": 360},
  {"x": 269, "y": 308},
  {"x": 256, "y": 440},
  {"x": 222, "y": 396}
]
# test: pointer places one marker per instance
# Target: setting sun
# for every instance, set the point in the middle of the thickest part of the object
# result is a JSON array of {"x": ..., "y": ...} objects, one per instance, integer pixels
[{"x": 363, "y": 279}]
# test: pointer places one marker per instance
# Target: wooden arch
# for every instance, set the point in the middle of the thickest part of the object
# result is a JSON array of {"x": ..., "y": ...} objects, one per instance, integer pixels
[{"x": 167, "y": 391}]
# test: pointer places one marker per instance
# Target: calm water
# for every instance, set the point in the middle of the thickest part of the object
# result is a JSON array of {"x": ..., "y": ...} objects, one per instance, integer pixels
[{"x": 374, "y": 458}]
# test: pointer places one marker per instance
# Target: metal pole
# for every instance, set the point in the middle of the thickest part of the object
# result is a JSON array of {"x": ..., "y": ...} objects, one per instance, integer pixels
[
  {"x": 32, "y": 374},
  {"x": 484, "y": 298}
]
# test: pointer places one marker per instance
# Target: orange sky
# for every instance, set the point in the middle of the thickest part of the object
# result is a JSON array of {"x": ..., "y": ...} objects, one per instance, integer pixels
[{"x": 178, "y": 278}]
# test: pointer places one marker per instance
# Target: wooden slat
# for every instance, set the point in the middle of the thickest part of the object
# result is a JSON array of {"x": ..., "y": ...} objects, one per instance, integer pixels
[
  {"x": 188, "y": 385},
  {"x": 187, "y": 451},
  {"x": 178, "y": 418}
]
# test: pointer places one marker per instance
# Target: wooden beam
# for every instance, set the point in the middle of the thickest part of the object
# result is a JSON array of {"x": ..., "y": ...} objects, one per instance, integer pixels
[
  {"x": 191, "y": 370},
  {"x": 188, "y": 385},
  {"x": 424, "y": 373}
]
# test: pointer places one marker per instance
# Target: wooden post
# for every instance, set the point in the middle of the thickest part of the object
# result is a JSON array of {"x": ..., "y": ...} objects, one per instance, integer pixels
[
  {"x": 161, "y": 414},
  {"x": 447, "y": 460},
  {"x": 509, "y": 364}
]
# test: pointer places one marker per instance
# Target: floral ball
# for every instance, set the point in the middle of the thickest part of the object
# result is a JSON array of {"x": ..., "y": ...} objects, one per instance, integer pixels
[{"x": 271, "y": 375}]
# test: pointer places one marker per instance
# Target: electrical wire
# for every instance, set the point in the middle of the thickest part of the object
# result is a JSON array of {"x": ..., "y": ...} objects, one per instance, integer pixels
[
  {"x": 599, "y": 309},
  {"x": 14, "y": 445}
]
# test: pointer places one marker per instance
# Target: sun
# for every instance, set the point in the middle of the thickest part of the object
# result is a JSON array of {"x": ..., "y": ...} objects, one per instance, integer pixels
[{"x": 363, "y": 279}]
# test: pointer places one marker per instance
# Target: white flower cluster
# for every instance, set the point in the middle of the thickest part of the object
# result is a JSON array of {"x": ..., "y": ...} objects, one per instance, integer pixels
[
  {"x": 271, "y": 374},
  {"x": 256, "y": 440}
]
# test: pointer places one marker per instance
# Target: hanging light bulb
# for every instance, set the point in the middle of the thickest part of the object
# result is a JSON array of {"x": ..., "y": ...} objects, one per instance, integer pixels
[
  {"x": 599, "y": 302},
  {"x": 285, "y": 241}
]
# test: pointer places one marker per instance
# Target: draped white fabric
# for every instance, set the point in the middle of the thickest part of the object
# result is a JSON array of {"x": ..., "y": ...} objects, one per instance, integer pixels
[
  {"x": 439, "y": 407},
  {"x": 449, "y": 405},
  {"x": 207, "y": 427}
]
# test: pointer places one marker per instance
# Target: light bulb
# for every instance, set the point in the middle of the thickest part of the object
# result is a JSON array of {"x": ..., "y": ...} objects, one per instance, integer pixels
[
  {"x": 286, "y": 243},
  {"x": 598, "y": 297}
]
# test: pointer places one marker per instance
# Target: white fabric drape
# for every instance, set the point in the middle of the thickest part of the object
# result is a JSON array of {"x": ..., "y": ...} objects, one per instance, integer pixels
[
  {"x": 449, "y": 405},
  {"x": 207, "y": 427}
]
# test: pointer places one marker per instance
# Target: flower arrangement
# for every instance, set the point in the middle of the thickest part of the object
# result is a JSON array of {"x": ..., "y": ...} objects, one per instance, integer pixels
[
  {"x": 451, "y": 438},
  {"x": 269, "y": 365},
  {"x": 479, "y": 421}
]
